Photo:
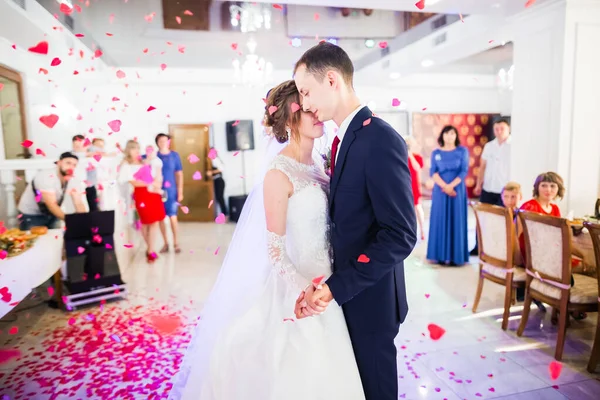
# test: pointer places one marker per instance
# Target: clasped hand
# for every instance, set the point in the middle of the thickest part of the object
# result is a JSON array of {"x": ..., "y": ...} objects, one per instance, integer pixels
[{"x": 313, "y": 301}]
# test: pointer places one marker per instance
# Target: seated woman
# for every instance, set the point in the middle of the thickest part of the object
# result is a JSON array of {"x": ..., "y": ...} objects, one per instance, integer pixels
[{"x": 548, "y": 187}]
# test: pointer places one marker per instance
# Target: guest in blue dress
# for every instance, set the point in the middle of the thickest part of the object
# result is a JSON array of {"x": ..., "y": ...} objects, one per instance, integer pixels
[{"x": 448, "y": 220}]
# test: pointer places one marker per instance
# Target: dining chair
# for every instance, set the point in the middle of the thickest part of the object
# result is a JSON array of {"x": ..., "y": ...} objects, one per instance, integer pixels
[
  {"x": 548, "y": 259},
  {"x": 594, "y": 230},
  {"x": 495, "y": 233}
]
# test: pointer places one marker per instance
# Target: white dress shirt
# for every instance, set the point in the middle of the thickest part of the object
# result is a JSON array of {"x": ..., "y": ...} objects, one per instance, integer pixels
[
  {"x": 497, "y": 165},
  {"x": 344, "y": 127}
]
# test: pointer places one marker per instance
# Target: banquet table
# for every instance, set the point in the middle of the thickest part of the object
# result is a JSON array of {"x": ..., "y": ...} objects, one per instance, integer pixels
[{"x": 22, "y": 273}]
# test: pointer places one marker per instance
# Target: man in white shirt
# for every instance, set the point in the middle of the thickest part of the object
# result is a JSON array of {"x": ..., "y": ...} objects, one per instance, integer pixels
[
  {"x": 494, "y": 170},
  {"x": 41, "y": 201}
]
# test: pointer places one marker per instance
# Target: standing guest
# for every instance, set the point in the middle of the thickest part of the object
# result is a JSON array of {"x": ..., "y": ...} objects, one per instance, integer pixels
[
  {"x": 148, "y": 205},
  {"x": 448, "y": 221},
  {"x": 415, "y": 165},
  {"x": 86, "y": 171},
  {"x": 41, "y": 201},
  {"x": 494, "y": 170},
  {"x": 172, "y": 172},
  {"x": 216, "y": 173}
]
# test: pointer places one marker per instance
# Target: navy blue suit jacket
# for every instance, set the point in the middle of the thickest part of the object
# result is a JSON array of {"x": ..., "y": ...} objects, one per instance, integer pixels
[{"x": 372, "y": 213}]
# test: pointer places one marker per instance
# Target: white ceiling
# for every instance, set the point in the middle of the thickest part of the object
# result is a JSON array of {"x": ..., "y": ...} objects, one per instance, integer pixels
[
  {"x": 132, "y": 33},
  {"x": 505, "y": 7},
  {"x": 486, "y": 62}
]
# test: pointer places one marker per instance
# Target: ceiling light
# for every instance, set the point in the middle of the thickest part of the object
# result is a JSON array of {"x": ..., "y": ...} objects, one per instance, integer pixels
[
  {"x": 369, "y": 43},
  {"x": 332, "y": 41},
  {"x": 296, "y": 42},
  {"x": 426, "y": 63},
  {"x": 395, "y": 75}
]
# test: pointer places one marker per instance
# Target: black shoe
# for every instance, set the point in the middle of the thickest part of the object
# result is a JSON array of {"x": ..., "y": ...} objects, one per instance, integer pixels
[
  {"x": 474, "y": 252},
  {"x": 539, "y": 305}
]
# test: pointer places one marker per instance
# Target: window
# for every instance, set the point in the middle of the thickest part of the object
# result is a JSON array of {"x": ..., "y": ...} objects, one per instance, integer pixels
[{"x": 13, "y": 128}]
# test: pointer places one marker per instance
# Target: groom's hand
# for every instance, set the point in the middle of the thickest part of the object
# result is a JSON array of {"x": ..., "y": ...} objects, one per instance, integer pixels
[{"x": 317, "y": 300}]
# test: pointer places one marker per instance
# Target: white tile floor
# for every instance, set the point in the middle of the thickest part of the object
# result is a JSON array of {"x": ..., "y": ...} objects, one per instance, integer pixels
[{"x": 122, "y": 350}]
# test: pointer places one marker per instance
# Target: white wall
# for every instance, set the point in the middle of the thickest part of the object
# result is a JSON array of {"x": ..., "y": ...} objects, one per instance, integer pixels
[
  {"x": 555, "y": 102},
  {"x": 59, "y": 87}
]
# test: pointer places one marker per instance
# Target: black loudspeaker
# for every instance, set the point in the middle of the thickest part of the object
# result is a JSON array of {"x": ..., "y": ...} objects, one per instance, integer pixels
[
  {"x": 236, "y": 203},
  {"x": 240, "y": 135}
]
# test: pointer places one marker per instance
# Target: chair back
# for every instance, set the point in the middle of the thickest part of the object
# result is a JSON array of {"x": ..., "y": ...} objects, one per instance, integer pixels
[
  {"x": 548, "y": 247},
  {"x": 594, "y": 230},
  {"x": 495, "y": 232}
]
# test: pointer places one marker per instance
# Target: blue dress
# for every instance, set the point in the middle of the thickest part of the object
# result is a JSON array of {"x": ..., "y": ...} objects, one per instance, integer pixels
[{"x": 448, "y": 219}]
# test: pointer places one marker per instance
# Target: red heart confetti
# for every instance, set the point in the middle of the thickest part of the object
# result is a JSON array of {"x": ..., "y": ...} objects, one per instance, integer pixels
[
  {"x": 185, "y": 209},
  {"x": 188, "y": 12},
  {"x": 7, "y": 354},
  {"x": 98, "y": 53},
  {"x": 151, "y": 108},
  {"x": 435, "y": 331},
  {"x": 193, "y": 159},
  {"x": 49, "y": 120},
  {"x": 529, "y": 3},
  {"x": 555, "y": 368},
  {"x": 115, "y": 125},
  {"x": 65, "y": 8},
  {"x": 4, "y": 292},
  {"x": 13, "y": 330},
  {"x": 220, "y": 219},
  {"x": 272, "y": 110},
  {"x": 395, "y": 102},
  {"x": 383, "y": 45},
  {"x": 120, "y": 74},
  {"x": 318, "y": 280},
  {"x": 197, "y": 176},
  {"x": 295, "y": 107},
  {"x": 27, "y": 143},
  {"x": 1, "y": 86},
  {"x": 178, "y": 19},
  {"x": 163, "y": 66},
  {"x": 40, "y": 48},
  {"x": 55, "y": 61},
  {"x": 420, "y": 4},
  {"x": 366, "y": 122},
  {"x": 363, "y": 259}
]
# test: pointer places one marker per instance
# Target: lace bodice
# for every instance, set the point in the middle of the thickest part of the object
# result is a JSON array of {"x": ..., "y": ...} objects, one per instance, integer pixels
[{"x": 304, "y": 252}]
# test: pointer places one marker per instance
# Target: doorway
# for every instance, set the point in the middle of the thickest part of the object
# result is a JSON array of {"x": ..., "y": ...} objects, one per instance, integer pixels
[{"x": 197, "y": 193}]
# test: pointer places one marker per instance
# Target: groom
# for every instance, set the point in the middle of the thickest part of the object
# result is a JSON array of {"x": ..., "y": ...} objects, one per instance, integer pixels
[{"x": 373, "y": 219}]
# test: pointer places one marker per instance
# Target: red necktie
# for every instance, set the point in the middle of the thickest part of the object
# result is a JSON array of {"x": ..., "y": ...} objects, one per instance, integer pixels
[{"x": 334, "y": 148}]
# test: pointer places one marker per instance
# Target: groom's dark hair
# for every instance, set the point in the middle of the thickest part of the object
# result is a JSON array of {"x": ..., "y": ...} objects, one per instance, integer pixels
[{"x": 326, "y": 56}]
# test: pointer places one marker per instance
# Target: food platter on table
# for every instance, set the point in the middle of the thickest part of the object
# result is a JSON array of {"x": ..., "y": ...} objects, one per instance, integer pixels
[{"x": 15, "y": 241}]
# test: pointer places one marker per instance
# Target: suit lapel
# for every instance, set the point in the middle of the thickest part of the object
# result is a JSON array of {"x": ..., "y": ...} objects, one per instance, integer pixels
[{"x": 349, "y": 137}]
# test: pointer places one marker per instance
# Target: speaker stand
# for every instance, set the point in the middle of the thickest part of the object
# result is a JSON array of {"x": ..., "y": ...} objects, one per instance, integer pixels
[{"x": 244, "y": 171}]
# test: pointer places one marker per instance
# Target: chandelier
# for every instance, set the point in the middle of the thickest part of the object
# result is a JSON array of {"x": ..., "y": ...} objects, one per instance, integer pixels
[
  {"x": 504, "y": 79},
  {"x": 254, "y": 71},
  {"x": 250, "y": 17}
]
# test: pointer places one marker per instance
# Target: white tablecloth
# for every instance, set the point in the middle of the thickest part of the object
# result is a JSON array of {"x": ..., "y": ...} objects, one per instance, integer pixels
[{"x": 22, "y": 273}]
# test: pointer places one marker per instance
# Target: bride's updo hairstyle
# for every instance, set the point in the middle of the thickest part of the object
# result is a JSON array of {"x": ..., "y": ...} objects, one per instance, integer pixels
[{"x": 282, "y": 97}]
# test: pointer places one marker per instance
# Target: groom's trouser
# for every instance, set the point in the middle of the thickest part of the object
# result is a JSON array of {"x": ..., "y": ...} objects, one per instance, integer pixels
[{"x": 375, "y": 354}]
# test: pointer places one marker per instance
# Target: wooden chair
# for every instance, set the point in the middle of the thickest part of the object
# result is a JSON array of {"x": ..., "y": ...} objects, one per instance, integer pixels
[
  {"x": 548, "y": 258},
  {"x": 594, "y": 230},
  {"x": 496, "y": 235}
]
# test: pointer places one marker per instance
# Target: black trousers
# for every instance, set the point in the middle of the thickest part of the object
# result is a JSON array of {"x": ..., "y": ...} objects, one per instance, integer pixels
[
  {"x": 220, "y": 195},
  {"x": 92, "y": 198},
  {"x": 487, "y": 198}
]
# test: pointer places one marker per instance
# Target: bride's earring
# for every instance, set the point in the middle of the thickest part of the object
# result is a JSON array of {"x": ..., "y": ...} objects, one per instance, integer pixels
[{"x": 288, "y": 131}]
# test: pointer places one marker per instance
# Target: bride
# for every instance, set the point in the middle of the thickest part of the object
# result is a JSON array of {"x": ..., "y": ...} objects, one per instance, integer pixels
[{"x": 248, "y": 345}]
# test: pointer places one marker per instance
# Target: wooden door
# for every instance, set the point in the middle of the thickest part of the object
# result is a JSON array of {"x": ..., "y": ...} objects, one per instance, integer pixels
[{"x": 197, "y": 194}]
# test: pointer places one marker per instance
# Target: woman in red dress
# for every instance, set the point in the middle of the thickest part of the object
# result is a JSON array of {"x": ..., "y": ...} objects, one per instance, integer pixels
[
  {"x": 148, "y": 204},
  {"x": 548, "y": 187},
  {"x": 415, "y": 165}
]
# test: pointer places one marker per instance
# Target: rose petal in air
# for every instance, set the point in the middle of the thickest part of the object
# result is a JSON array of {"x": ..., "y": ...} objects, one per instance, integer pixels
[{"x": 220, "y": 219}]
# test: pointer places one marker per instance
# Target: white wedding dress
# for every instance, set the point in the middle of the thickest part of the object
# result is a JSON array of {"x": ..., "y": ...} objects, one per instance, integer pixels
[{"x": 265, "y": 353}]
